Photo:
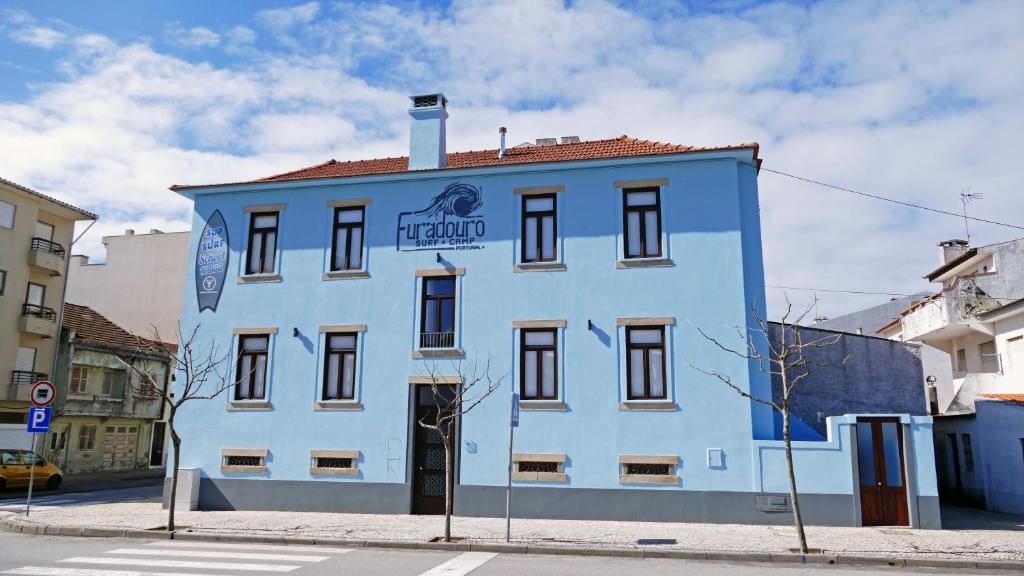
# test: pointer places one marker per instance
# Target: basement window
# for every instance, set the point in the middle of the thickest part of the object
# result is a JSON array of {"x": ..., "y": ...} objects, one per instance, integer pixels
[
  {"x": 334, "y": 462},
  {"x": 539, "y": 467},
  {"x": 641, "y": 469},
  {"x": 243, "y": 460}
]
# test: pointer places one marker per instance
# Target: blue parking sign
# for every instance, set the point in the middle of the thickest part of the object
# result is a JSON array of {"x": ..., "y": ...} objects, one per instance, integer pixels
[{"x": 38, "y": 419}]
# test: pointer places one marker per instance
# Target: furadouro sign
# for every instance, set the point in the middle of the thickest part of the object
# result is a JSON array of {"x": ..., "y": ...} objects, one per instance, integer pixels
[{"x": 451, "y": 222}]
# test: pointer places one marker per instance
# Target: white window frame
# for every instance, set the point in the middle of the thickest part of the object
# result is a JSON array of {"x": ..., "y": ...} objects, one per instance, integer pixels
[
  {"x": 456, "y": 350},
  {"x": 78, "y": 438},
  {"x": 363, "y": 271},
  {"x": 276, "y": 275},
  {"x": 620, "y": 187},
  {"x": 521, "y": 196},
  {"x": 558, "y": 403},
  {"x": 356, "y": 402},
  {"x": 236, "y": 342},
  {"x": 669, "y": 401},
  {"x": 14, "y": 216}
]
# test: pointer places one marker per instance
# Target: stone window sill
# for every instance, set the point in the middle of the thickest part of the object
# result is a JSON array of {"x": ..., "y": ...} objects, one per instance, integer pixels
[
  {"x": 540, "y": 476},
  {"x": 334, "y": 471},
  {"x": 649, "y": 406},
  {"x": 243, "y": 469},
  {"x": 256, "y": 406},
  {"x": 647, "y": 479},
  {"x": 540, "y": 267},
  {"x": 645, "y": 263},
  {"x": 346, "y": 275},
  {"x": 337, "y": 405},
  {"x": 552, "y": 406},
  {"x": 439, "y": 353},
  {"x": 258, "y": 278}
]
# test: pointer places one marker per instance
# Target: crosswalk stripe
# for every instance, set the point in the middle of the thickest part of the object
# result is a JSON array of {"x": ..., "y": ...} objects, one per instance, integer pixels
[
  {"x": 62, "y": 571},
  {"x": 460, "y": 565},
  {"x": 225, "y": 545},
  {"x": 180, "y": 564},
  {"x": 216, "y": 554}
]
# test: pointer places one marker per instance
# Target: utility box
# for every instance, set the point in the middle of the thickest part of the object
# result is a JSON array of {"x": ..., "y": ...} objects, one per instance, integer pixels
[{"x": 188, "y": 488}]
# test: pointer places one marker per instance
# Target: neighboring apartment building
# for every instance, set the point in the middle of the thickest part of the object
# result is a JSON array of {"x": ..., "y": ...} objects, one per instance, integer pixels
[
  {"x": 577, "y": 271},
  {"x": 35, "y": 234},
  {"x": 107, "y": 415},
  {"x": 977, "y": 318},
  {"x": 140, "y": 283}
]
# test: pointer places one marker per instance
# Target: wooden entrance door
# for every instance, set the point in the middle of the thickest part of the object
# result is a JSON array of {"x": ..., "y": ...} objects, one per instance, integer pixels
[
  {"x": 428, "y": 457},
  {"x": 883, "y": 485},
  {"x": 119, "y": 447}
]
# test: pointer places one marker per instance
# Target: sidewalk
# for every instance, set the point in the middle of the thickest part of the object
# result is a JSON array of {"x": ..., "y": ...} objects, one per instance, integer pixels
[
  {"x": 991, "y": 536},
  {"x": 89, "y": 482}
]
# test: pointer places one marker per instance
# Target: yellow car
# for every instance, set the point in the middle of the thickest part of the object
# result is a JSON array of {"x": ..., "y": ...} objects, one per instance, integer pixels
[{"x": 16, "y": 468}]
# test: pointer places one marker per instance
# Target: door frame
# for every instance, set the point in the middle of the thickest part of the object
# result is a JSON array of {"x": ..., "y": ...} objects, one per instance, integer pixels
[
  {"x": 414, "y": 427},
  {"x": 908, "y": 476}
]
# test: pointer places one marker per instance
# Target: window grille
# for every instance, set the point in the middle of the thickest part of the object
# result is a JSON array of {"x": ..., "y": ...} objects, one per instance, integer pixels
[
  {"x": 649, "y": 469},
  {"x": 539, "y": 467},
  {"x": 334, "y": 463},
  {"x": 243, "y": 460}
]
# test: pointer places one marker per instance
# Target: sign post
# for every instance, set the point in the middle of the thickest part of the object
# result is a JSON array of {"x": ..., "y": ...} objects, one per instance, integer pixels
[
  {"x": 513, "y": 424},
  {"x": 42, "y": 395}
]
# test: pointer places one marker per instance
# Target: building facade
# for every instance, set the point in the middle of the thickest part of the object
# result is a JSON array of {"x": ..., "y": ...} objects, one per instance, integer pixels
[
  {"x": 35, "y": 232},
  {"x": 978, "y": 319},
  {"x": 140, "y": 283},
  {"x": 572, "y": 274},
  {"x": 109, "y": 408}
]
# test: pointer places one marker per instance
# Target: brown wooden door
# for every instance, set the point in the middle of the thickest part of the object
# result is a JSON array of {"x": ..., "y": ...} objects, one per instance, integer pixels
[
  {"x": 428, "y": 458},
  {"x": 883, "y": 484}
]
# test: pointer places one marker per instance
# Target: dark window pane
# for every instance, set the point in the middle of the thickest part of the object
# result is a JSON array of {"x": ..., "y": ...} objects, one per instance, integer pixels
[
  {"x": 866, "y": 454},
  {"x": 891, "y": 444}
]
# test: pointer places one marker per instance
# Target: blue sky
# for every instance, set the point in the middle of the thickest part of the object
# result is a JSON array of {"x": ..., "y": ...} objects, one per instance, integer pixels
[{"x": 106, "y": 103}]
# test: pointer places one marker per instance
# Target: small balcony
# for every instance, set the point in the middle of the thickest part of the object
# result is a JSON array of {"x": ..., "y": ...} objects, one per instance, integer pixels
[
  {"x": 46, "y": 256},
  {"x": 437, "y": 340},
  {"x": 21, "y": 383},
  {"x": 38, "y": 320},
  {"x": 937, "y": 320}
]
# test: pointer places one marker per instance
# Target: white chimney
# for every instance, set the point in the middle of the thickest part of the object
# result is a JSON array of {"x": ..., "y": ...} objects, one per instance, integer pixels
[
  {"x": 502, "y": 153},
  {"x": 427, "y": 132},
  {"x": 951, "y": 250}
]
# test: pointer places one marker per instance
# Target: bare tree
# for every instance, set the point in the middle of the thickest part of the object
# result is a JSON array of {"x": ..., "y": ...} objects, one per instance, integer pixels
[
  {"x": 455, "y": 397},
  {"x": 781, "y": 353},
  {"x": 204, "y": 373}
]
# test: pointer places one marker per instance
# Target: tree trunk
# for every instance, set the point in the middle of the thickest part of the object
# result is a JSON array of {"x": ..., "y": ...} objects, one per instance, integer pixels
[
  {"x": 174, "y": 477},
  {"x": 449, "y": 481},
  {"x": 797, "y": 518}
]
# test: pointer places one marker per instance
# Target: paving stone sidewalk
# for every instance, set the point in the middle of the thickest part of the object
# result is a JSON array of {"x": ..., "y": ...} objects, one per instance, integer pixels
[{"x": 985, "y": 536}]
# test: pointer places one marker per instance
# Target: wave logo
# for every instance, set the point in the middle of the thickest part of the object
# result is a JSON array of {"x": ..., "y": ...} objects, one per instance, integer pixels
[{"x": 450, "y": 222}]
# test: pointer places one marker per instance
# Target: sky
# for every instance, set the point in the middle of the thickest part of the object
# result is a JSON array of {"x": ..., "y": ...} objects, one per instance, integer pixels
[{"x": 105, "y": 104}]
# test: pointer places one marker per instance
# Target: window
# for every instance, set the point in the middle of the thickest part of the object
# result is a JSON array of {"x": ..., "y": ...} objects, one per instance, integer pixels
[
  {"x": 988, "y": 357},
  {"x": 35, "y": 295},
  {"x": 347, "y": 251},
  {"x": 539, "y": 467},
  {"x": 961, "y": 360},
  {"x": 147, "y": 386},
  {"x": 3, "y": 281},
  {"x": 538, "y": 364},
  {"x": 86, "y": 437},
  {"x": 640, "y": 469},
  {"x": 79, "y": 379},
  {"x": 334, "y": 462},
  {"x": 437, "y": 325},
  {"x": 539, "y": 219},
  {"x": 113, "y": 383},
  {"x": 965, "y": 440},
  {"x": 251, "y": 378},
  {"x": 243, "y": 460},
  {"x": 340, "y": 367},
  {"x": 6, "y": 215},
  {"x": 262, "y": 243},
  {"x": 645, "y": 363},
  {"x": 642, "y": 222},
  {"x": 44, "y": 231}
]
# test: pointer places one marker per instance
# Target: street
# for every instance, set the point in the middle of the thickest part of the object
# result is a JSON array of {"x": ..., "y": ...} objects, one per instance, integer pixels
[
  {"x": 15, "y": 501},
  {"x": 56, "y": 556}
]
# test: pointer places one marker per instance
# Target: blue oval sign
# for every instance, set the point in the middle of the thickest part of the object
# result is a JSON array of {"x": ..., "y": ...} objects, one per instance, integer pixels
[{"x": 212, "y": 262}]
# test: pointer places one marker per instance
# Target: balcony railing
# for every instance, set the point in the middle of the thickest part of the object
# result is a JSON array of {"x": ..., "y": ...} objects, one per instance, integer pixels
[
  {"x": 26, "y": 377},
  {"x": 39, "y": 312},
  {"x": 44, "y": 245},
  {"x": 437, "y": 340}
]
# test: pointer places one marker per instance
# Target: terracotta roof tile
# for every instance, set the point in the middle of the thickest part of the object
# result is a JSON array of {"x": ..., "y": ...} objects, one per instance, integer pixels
[
  {"x": 89, "y": 325},
  {"x": 1018, "y": 398},
  {"x": 620, "y": 147}
]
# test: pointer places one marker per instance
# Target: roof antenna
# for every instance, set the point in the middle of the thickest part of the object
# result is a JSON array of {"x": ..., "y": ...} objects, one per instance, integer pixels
[{"x": 966, "y": 196}]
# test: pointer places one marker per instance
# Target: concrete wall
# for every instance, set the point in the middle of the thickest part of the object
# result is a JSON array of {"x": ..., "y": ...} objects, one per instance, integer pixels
[
  {"x": 879, "y": 376},
  {"x": 139, "y": 285},
  {"x": 970, "y": 488},
  {"x": 1002, "y": 454}
]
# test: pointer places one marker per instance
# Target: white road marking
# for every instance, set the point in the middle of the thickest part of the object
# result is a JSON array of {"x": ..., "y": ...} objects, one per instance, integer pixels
[
  {"x": 61, "y": 571},
  {"x": 461, "y": 565},
  {"x": 230, "y": 546},
  {"x": 181, "y": 564},
  {"x": 217, "y": 554}
]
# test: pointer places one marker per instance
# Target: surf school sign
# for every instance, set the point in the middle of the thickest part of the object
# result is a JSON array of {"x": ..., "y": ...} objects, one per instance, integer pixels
[
  {"x": 452, "y": 221},
  {"x": 211, "y": 262}
]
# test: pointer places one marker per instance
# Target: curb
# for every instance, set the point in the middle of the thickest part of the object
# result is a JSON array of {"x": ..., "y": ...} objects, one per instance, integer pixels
[{"x": 14, "y": 524}]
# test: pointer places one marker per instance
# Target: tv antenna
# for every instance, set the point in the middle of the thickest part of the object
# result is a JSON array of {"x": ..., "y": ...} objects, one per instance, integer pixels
[{"x": 966, "y": 197}]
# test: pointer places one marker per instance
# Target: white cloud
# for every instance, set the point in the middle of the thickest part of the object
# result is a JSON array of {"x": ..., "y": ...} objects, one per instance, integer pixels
[
  {"x": 39, "y": 36},
  {"x": 913, "y": 100},
  {"x": 195, "y": 37}
]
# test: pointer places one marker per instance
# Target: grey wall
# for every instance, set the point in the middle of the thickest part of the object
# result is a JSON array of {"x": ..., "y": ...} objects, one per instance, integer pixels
[
  {"x": 1002, "y": 462},
  {"x": 879, "y": 376}
]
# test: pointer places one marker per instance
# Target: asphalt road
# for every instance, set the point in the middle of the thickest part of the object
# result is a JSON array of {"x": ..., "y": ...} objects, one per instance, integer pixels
[{"x": 42, "y": 500}]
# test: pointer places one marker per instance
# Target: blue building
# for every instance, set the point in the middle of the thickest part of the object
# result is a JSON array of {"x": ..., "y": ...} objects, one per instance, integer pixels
[{"x": 575, "y": 272}]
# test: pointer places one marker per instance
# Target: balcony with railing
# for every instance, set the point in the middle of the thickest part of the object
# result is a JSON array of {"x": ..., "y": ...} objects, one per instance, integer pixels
[
  {"x": 437, "y": 340},
  {"x": 46, "y": 255},
  {"x": 21, "y": 383},
  {"x": 38, "y": 320},
  {"x": 938, "y": 319}
]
